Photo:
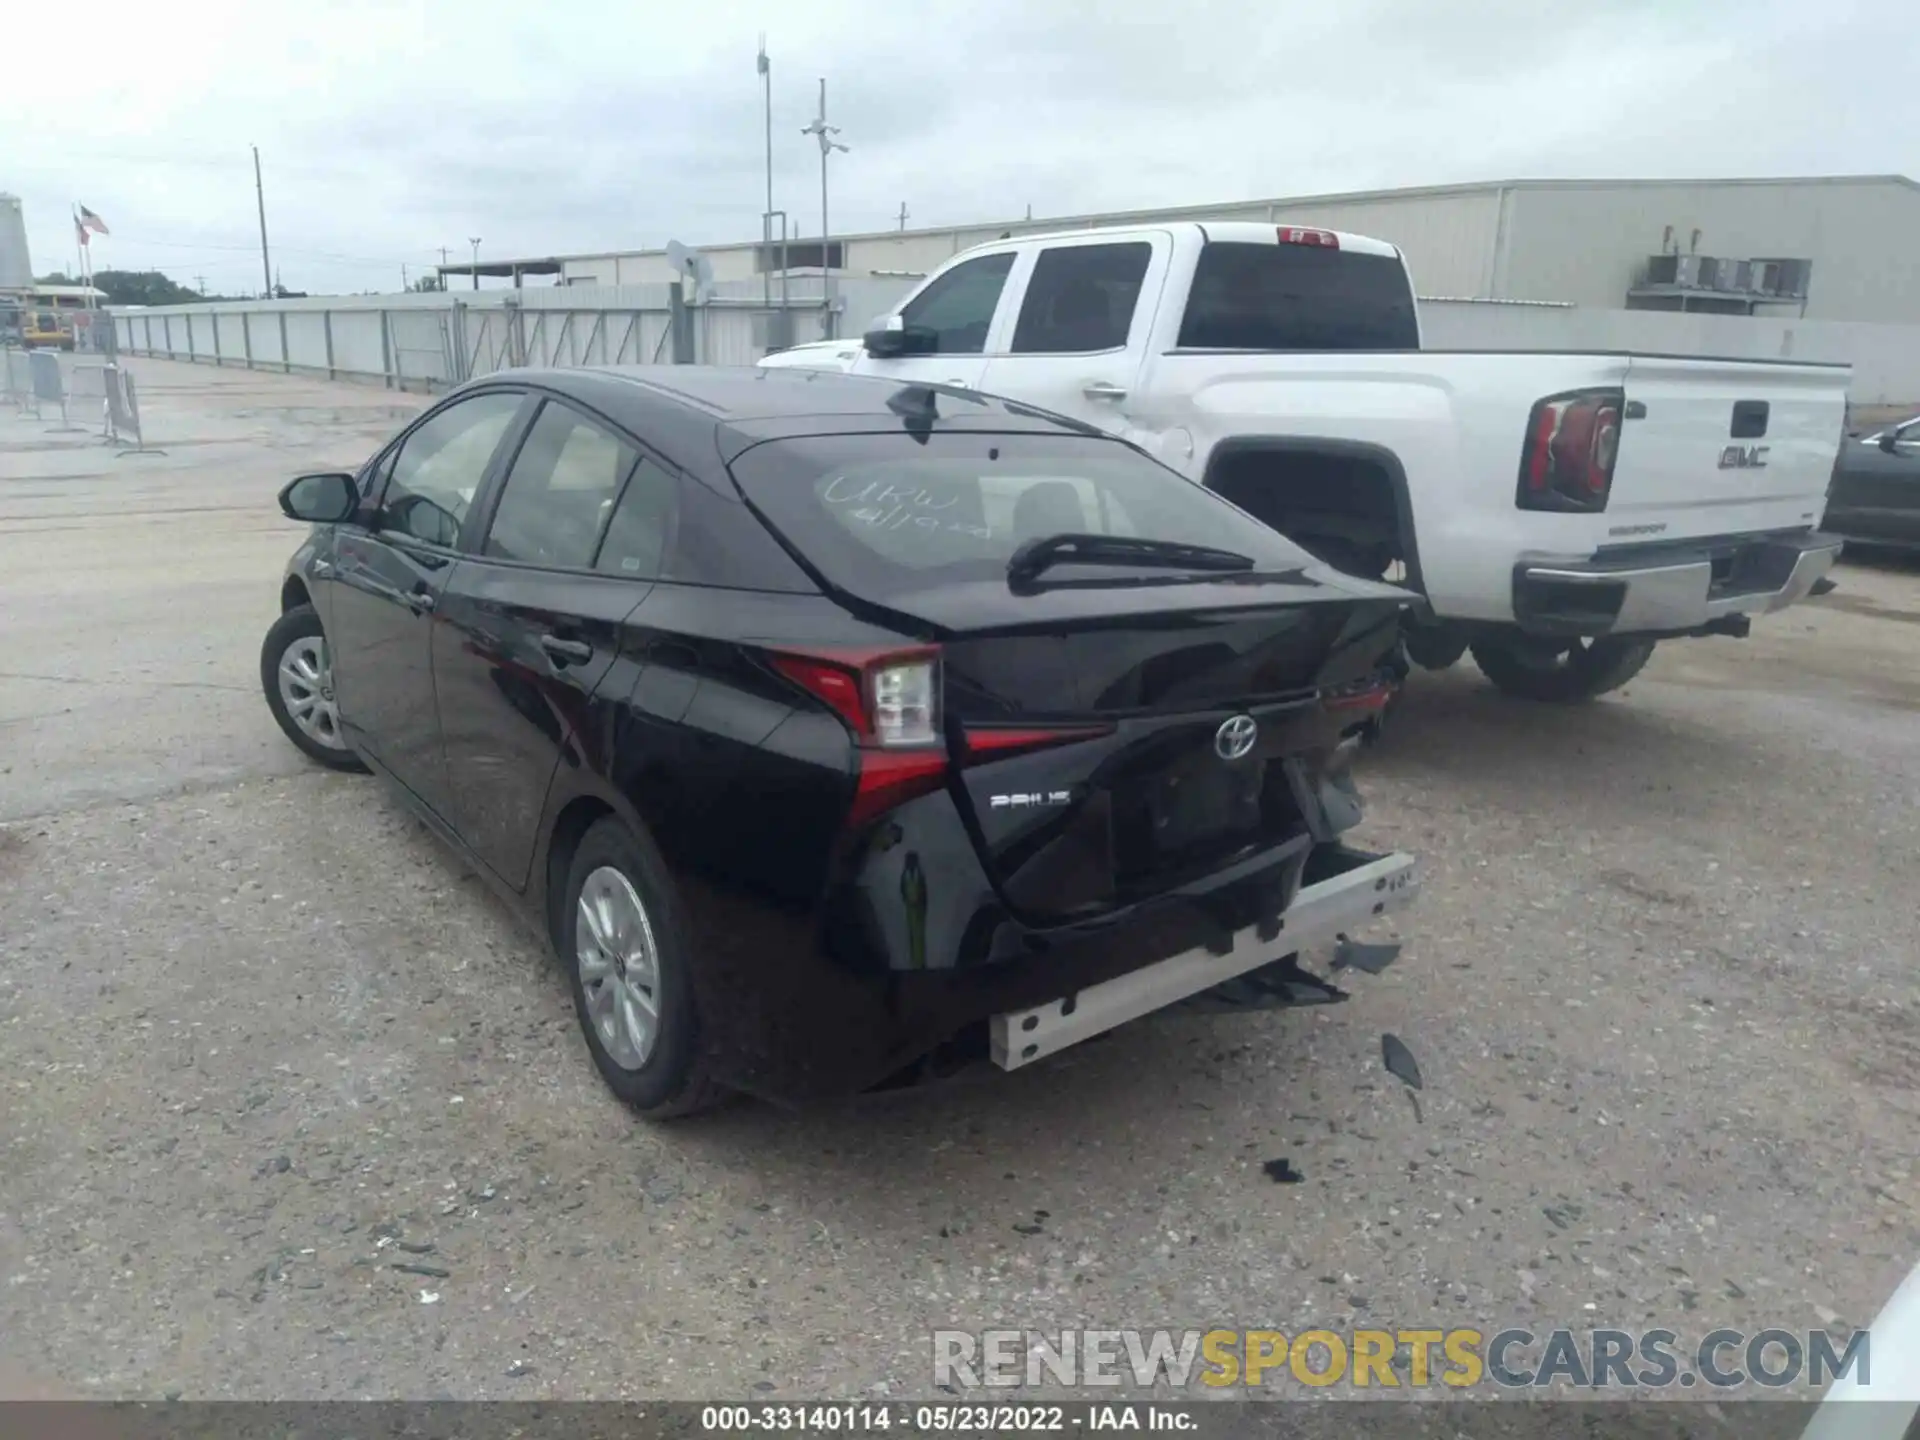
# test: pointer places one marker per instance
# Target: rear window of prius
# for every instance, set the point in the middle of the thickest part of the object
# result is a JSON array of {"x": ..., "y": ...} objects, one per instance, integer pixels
[{"x": 886, "y": 514}]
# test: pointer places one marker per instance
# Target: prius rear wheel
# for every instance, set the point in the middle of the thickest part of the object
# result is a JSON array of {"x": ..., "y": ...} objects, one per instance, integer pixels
[{"x": 627, "y": 957}]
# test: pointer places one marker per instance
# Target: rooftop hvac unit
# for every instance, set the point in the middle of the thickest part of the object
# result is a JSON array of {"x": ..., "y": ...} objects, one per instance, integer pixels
[
  {"x": 1681, "y": 270},
  {"x": 1709, "y": 276},
  {"x": 1766, "y": 277},
  {"x": 1790, "y": 277},
  {"x": 1734, "y": 275}
]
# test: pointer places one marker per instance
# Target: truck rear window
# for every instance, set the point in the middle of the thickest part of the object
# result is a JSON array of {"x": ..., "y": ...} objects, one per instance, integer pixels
[
  {"x": 885, "y": 514},
  {"x": 1298, "y": 297}
]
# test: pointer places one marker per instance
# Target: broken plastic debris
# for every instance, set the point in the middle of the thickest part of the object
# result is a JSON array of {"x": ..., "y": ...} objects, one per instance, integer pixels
[
  {"x": 1399, "y": 1061},
  {"x": 429, "y": 1297},
  {"x": 1281, "y": 1172},
  {"x": 1372, "y": 959}
]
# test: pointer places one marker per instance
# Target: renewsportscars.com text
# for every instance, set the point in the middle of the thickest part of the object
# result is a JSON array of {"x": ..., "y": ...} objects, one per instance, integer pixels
[{"x": 1457, "y": 1359}]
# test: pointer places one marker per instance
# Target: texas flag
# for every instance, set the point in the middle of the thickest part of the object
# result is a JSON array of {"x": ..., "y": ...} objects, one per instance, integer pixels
[{"x": 85, "y": 220}]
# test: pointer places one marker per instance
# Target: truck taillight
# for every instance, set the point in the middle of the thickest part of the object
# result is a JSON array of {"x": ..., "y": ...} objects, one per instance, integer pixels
[
  {"x": 1571, "y": 445},
  {"x": 1295, "y": 235}
]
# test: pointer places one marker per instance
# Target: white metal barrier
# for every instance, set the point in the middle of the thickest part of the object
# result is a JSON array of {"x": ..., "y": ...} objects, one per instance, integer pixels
[
  {"x": 40, "y": 378},
  {"x": 87, "y": 388},
  {"x": 123, "y": 412},
  {"x": 49, "y": 386},
  {"x": 19, "y": 384}
]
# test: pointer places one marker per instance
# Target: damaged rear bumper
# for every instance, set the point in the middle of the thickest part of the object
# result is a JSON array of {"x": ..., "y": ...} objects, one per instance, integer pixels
[
  {"x": 1692, "y": 587},
  {"x": 1364, "y": 887}
]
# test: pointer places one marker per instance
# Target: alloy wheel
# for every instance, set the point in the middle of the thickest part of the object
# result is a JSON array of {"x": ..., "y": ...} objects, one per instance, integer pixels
[
  {"x": 306, "y": 690},
  {"x": 619, "y": 967}
]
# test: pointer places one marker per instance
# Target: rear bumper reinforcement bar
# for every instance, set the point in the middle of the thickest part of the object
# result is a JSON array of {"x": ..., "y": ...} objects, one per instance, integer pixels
[{"x": 1318, "y": 914}]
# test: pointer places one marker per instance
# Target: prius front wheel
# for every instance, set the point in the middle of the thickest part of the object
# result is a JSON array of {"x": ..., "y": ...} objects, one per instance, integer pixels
[{"x": 296, "y": 672}]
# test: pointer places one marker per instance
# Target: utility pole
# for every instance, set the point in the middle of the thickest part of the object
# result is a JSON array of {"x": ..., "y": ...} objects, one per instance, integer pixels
[
  {"x": 765, "y": 67},
  {"x": 200, "y": 281},
  {"x": 260, "y": 198},
  {"x": 903, "y": 215},
  {"x": 474, "y": 240},
  {"x": 405, "y": 284},
  {"x": 824, "y": 133}
]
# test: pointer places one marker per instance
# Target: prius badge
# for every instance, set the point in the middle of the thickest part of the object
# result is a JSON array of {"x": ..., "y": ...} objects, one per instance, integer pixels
[{"x": 1235, "y": 737}]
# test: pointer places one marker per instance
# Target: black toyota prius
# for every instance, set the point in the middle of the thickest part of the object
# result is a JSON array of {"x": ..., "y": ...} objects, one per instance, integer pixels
[{"x": 830, "y": 729}]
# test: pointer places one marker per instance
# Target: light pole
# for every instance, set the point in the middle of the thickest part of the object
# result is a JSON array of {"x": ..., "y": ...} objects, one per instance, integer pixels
[
  {"x": 474, "y": 240},
  {"x": 766, "y": 221},
  {"x": 824, "y": 133}
]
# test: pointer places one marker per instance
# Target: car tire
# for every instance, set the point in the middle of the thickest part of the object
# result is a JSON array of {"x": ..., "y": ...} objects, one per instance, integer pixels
[
  {"x": 638, "y": 953},
  {"x": 1562, "y": 674},
  {"x": 297, "y": 675}
]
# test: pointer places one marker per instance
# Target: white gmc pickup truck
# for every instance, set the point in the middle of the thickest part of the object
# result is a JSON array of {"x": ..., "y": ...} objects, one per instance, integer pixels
[{"x": 1558, "y": 513}]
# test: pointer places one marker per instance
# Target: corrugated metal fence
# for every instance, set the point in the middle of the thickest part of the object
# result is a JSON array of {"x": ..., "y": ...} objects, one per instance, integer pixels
[{"x": 430, "y": 342}]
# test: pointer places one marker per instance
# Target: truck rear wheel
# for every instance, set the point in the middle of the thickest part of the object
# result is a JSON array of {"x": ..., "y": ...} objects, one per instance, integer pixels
[{"x": 1562, "y": 672}]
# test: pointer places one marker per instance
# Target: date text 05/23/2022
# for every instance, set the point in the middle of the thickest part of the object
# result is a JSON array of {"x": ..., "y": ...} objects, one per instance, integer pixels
[{"x": 955, "y": 1416}]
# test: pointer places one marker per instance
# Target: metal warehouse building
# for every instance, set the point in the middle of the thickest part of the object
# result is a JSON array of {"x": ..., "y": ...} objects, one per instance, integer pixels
[{"x": 1828, "y": 248}]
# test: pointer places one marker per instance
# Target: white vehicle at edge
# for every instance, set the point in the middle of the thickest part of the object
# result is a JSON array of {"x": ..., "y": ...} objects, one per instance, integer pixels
[
  {"x": 1886, "y": 1406},
  {"x": 817, "y": 355},
  {"x": 1560, "y": 512}
]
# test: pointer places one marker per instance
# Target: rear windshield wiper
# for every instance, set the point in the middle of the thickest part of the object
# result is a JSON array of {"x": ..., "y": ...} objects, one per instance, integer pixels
[{"x": 1035, "y": 556}]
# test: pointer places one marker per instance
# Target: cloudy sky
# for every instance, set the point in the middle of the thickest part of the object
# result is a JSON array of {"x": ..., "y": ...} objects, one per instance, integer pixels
[{"x": 388, "y": 130}]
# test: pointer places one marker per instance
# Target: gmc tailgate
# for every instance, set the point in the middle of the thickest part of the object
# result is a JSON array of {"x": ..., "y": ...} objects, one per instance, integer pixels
[{"x": 1724, "y": 447}]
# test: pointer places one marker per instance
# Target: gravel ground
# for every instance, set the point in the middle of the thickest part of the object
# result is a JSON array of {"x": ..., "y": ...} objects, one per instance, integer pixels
[{"x": 263, "y": 1043}]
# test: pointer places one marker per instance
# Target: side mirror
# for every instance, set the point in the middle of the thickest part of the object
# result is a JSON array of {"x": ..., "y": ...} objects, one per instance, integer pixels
[
  {"x": 1890, "y": 442},
  {"x": 325, "y": 499},
  {"x": 894, "y": 340}
]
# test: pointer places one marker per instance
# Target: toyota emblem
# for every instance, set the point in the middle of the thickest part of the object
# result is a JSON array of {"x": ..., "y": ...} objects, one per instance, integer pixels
[{"x": 1235, "y": 737}]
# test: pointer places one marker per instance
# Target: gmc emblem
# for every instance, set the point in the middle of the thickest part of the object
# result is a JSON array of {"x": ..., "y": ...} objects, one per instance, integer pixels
[{"x": 1744, "y": 457}]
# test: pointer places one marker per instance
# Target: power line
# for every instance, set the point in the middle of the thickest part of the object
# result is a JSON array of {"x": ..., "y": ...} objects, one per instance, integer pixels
[{"x": 253, "y": 248}]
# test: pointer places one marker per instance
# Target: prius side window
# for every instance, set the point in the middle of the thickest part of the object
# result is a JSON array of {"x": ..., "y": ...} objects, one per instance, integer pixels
[
  {"x": 560, "y": 491},
  {"x": 636, "y": 536},
  {"x": 432, "y": 481}
]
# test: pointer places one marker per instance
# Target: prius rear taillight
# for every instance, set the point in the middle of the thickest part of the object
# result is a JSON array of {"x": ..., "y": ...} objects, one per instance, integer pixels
[
  {"x": 890, "y": 700},
  {"x": 996, "y": 742},
  {"x": 1362, "y": 696}
]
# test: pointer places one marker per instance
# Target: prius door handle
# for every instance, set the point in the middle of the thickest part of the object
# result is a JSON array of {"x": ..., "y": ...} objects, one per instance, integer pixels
[{"x": 566, "y": 652}]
